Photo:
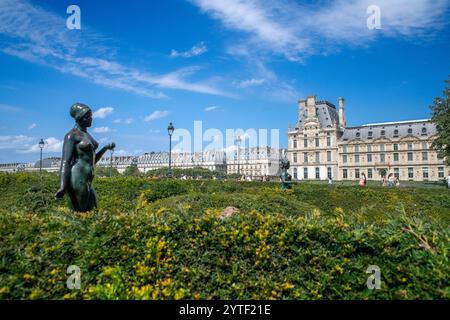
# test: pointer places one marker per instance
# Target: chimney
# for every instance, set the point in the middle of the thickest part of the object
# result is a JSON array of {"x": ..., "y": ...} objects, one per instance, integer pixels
[
  {"x": 301, "y": 107},
  {"x": 342, "y": 122},
  {"x": 311, "y": 104}
]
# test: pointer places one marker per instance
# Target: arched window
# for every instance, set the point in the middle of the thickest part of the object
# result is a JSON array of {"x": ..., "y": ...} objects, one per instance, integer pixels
[
  {"x": 358, "y": 134},
  {"x": 410, "y": 131},
  {"x": 424, "y": 131}
]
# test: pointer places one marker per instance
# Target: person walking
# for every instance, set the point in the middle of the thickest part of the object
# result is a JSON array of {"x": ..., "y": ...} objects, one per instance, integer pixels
[
  {"x": 390, "y": 180},
  {"x": 448, "y": 180},
  {"x": 363, "y": 180}
]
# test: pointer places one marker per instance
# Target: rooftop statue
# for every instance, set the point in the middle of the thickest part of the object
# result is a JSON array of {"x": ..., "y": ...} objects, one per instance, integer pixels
[
  {"x": 78, "y": 160},
  {"x": 286, "y": 178}
]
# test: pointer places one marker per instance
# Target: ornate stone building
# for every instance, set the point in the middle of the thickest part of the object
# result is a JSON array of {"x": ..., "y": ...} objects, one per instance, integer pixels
[{"x": 321, "y": 145}]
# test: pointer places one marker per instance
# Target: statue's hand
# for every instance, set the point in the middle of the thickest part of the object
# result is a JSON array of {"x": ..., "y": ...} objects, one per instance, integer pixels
[
  {"x": 110, "y": 146},
  {"x": 60, "y": 194}
]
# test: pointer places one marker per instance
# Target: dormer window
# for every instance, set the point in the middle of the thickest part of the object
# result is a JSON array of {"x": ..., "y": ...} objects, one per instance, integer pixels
[
  {"x": 370, "y": 134},
  {"x": 358, "y": 134},
  {"x": 395, "y": 133},
  {"x": 383, "y": 133},
  {"x": 410, "y": 131},
  {"x": 424, "y": 131}
]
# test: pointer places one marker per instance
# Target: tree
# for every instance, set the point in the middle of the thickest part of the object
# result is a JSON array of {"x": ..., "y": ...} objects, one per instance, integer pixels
[
  {"x": 441, "y": 118},
  {"x": 104, "y": 171},
  {"x": 132, "y": 170}
]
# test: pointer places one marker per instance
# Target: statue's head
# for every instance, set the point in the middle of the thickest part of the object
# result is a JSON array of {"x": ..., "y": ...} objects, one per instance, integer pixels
[
  {"x": 285, "y": 164},
  {"x": 82, "y": 114}
]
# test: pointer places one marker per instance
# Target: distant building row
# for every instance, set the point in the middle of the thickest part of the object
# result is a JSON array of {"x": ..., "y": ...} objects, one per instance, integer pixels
[{"x": 254, "y": 162}]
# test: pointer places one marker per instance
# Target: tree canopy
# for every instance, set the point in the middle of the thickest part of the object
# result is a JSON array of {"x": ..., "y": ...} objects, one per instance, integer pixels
[{"x": 441, "y": 118}]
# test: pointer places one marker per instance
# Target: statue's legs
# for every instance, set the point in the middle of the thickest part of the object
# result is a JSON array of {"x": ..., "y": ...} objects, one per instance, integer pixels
[{"x": 82, "y": 196}]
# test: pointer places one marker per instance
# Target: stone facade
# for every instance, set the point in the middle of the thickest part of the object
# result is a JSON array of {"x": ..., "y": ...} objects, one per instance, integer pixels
[{"x": 320, "y": 145}]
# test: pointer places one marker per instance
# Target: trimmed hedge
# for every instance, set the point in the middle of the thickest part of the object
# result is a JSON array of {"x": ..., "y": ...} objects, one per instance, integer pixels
[{"x": 169, "y": 240}]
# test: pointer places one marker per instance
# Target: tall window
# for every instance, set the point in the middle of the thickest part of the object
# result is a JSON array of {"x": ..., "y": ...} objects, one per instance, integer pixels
[
  {"x": 410, "y": 156},
  {"x": 328, "y": 141},
  {"x": 410, "y": 173},
  {"x": 369, "y": 173},
  {"x": 395, "y": 156},
  {"x": 305, "y": 141},
  {"x": 369, "y": 148},
  {"x": 369, "y": 157},
  {"x": 356, "y": 158},
  {"x": 317, "y": 173},
  {"x": 357, "y": 173},
  {"x": 424, "y": 146},
  {"x": 425, "y": 172},
  {"x": 344, "y": 149},
  {"x": 317, "y": 157},
  {"x": 344, "y": 158},
  {"x": 395, "y": 147},
  {"x": 295, "y": 157},
  {"x": 356, "y": 148},
  {"x": 329, "y": 173},
  {"x": 295, "y": 144},
  {"x": 317, "y": 140},
  {"x": 305, "y": 173},
  {"x": 424, "y": 156},
  {"x": 410, "y": 146},
  {"x": 441, "y": 172},
  {"x": 295, "y": 174},
  {"x": 345, "y": 173},
  {"x": 305, "y": 157},
  {"x": 329, "y": 156},
  {"x": 382, "y": 157},
  {"x": 382, "y": 147},
  {"x": 397, "y": 172}
]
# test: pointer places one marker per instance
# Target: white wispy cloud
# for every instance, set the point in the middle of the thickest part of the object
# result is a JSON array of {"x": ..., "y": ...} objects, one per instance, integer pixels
[
  {"x": 27, "y": 144},
  {"x": 196, "y": 50},
  {"x": 248, "y": 83},
  {"x": 102, "y": 130},
  {"x": 156, "y": 115},
  {"x": 212, "y": 108},
  {"x": 124, "y": 121},
  {"x": 103, "y": 112},
  {"x": 32, "y": 126},
  {"x": 297, "y": 30},
  {"x": 39, "y": 36}
]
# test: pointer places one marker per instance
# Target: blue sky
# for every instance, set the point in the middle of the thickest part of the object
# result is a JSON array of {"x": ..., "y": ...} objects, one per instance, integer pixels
[{"x": 229, "y": 63}]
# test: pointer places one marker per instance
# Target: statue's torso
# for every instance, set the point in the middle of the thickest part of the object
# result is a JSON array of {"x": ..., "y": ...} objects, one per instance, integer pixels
[{"x": 84, "y": 154}]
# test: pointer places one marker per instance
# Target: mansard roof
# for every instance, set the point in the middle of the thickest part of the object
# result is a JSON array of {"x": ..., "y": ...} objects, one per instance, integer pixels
[
  {"x": 390, "y": 130},
  {"x": 326, "y": 114}
]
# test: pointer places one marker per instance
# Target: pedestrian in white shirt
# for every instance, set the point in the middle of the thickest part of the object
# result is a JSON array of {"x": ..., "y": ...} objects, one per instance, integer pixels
[{"x": 448, "y": 180}]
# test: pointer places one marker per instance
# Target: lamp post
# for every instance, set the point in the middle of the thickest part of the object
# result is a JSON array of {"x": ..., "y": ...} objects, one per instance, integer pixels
[
  {"x": 170, "y": 130},
  {"x": 41, "y": 145},
  {"x": 110, "y": 163},
  {"x": 238, "y": 141}
]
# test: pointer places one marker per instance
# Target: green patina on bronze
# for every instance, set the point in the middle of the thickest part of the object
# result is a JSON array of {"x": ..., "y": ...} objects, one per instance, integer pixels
[
  {"x": 78, "y": 160},
  {"x": 286, "y": 178}
]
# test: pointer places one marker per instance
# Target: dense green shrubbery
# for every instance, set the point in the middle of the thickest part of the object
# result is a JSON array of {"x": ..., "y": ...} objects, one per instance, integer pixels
[{"x": 169, "y": 240}]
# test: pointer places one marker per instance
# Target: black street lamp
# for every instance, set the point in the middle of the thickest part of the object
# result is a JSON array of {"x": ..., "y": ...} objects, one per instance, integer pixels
[
  {"x": 170, "y": 130},
  {"x": 41, "y": 145},
  {"x": 110, "y": 163}
]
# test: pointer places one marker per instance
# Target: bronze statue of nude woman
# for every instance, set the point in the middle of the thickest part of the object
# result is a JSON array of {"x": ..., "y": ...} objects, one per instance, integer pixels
[{"x": 78, "y": 160}]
